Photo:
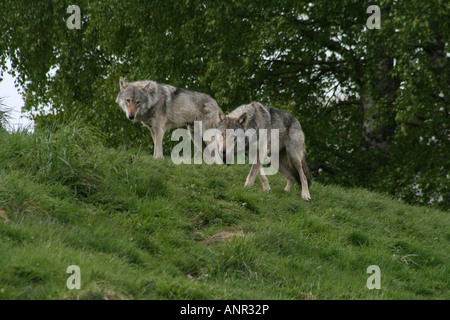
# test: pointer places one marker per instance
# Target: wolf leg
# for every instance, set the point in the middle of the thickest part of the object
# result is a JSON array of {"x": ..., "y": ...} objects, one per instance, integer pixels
[
  {"x": 212, "y": 155},
  {"x": 264, "y": 180},
  {"x": 259, "y": 156},
  {"x": 157, "y": 135},
  {"x": 252, "y": 175},
  {"x": 255, "y": 169},
  {"x": 290, "y": 179},
  {"x": 296, "y": 157},
  {"x": 200, "y": 145}
]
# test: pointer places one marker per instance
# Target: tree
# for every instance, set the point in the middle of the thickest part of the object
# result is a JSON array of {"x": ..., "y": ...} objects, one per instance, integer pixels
[{"x": 373, "y": 102}]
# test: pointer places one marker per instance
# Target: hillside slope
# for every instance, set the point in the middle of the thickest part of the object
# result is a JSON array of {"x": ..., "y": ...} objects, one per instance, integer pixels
[{"x": 140, "y": 228}]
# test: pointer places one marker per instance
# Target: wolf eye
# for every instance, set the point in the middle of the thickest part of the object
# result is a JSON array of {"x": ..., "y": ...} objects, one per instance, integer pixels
[
  {"x": 138, "y": 102},
  {"x": 128, "y": 100}
]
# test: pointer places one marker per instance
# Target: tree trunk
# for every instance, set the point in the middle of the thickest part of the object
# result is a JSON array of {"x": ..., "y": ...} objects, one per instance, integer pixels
[{"x": 377, "y": 103}]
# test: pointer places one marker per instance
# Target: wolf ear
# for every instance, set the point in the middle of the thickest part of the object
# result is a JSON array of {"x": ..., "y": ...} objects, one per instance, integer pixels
[
  {"x": 150, "y": 87},
  {"x": 243, "y": 119},
  {"x": 123, "y": 84}
]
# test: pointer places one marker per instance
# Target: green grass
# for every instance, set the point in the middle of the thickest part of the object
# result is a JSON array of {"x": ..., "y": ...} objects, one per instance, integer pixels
[{"x": 141, "y": 228}]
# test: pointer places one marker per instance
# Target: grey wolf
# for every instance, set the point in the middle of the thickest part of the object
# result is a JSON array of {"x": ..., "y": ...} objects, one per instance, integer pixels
[
  {"x": 161, "y": 107},
  {"x": 291, "y": 144}
]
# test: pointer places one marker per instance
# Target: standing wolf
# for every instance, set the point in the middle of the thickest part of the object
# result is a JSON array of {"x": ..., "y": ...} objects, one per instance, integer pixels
[
  {"x": 161, "y": 107},
  {"x": 291, "y": 144}
]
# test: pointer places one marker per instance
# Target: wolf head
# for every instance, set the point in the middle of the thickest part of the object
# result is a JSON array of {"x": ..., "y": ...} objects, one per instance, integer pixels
[
  {"x": 135, "y": 97},
  {"x": 237, "y": 124}
]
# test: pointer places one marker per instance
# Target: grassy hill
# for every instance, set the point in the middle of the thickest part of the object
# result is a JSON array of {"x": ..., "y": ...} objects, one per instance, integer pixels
[{"x": 141, "y": 228}]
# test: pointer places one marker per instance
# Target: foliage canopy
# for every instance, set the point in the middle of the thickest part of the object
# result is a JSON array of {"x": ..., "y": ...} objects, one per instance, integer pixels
[{"x": 374, "y": 103}]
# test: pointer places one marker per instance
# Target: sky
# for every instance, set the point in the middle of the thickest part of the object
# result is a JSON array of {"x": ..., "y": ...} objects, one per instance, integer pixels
[{"x": 13, "y": 101}]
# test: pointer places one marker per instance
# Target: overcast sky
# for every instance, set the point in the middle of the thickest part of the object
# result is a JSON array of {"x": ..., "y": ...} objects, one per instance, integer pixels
[{"x": 13, "y": 100}]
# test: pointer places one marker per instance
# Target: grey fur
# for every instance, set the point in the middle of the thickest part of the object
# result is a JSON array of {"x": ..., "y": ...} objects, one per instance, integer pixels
[
  {"x": 161, "y": 107},
  {"x": 292, "y": 151}
]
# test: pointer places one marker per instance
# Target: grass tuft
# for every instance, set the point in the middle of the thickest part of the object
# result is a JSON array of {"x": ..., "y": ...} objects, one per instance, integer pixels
[{"x": 139, "y": 228}]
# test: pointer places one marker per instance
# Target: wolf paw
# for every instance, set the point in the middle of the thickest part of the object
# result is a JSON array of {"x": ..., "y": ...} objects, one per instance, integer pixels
[{"x": 306, "y": 196}]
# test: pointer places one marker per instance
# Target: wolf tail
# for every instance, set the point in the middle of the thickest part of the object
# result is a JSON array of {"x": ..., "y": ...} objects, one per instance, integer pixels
[{"x": 306, "y": 170}]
